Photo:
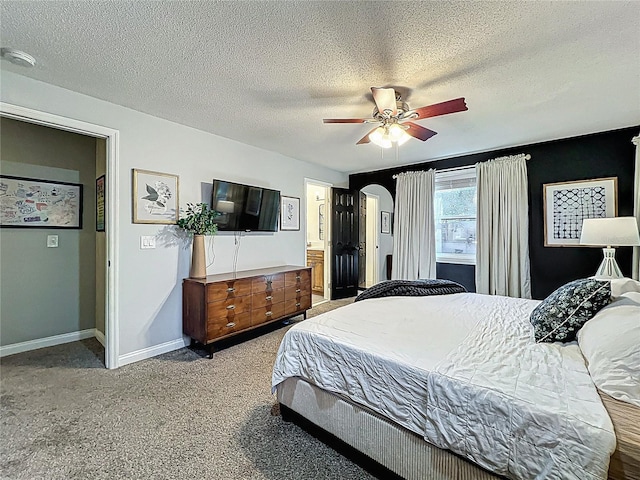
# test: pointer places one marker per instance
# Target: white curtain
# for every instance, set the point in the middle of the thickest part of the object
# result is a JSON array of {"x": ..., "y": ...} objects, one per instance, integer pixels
[
  {"x": 636, "y": 209},
  {"x": 414, "y": 238},
  {"x": 502, "y": 253}
]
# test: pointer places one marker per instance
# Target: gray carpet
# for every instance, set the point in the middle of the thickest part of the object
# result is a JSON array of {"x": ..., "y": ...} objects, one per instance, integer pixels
[{"x": 178, "y": 415}]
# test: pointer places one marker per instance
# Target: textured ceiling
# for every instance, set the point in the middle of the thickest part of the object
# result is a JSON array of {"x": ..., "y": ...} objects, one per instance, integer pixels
[{"x": 267, "y": 73}]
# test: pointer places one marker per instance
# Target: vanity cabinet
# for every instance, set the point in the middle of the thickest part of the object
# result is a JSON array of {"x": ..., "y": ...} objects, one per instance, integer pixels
[{"x": 315, "y": 260}]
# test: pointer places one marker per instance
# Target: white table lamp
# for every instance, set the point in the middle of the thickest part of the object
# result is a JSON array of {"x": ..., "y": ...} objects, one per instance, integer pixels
[{"x": 609, "y": 232}]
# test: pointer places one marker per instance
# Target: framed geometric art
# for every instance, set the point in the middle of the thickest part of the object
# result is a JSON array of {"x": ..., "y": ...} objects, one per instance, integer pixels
[
  {"x": 567, "y": 204},
  {"x": 33, "y": 203},
  {"x": 155, "y": 197}
]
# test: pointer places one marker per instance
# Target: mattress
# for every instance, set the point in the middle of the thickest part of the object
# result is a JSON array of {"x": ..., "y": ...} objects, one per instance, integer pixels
[{"x": 463, "y": 372}]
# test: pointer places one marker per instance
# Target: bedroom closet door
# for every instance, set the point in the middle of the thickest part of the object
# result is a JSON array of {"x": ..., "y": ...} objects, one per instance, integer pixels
[{"x": 345, "y": 238}]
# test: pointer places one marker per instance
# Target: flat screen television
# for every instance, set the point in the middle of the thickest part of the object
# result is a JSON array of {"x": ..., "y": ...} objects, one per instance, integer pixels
[{"x": 245, "y": 208}]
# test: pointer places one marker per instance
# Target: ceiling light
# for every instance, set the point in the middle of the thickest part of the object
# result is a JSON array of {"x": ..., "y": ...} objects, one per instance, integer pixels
[
  {"x": 17, "y": 57},
  {"x": 385, "y": 136},
  {"x": 380, "y": 136}
]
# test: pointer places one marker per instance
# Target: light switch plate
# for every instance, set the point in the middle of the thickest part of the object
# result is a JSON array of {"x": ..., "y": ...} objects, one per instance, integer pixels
[
  {"x": 147, "y": 241},
  {"x": 52, "y": 241}
]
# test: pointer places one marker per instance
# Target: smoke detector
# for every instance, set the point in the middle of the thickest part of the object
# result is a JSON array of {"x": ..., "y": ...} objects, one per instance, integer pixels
[{"x": 17, "y": 57}]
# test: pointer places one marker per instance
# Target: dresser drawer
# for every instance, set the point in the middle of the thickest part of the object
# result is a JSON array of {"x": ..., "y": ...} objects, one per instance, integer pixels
[
  {"x": 297, "y": 304},
  {"x": 217, "y": 327},
  {"x": 230, "y": 307},
  {"x": 267, "y": 298},
  {"x": 267, "y": 313},
  {"x": 300, "y": 277},
  {"x": 229, "y": 289},
  {"x": 267, "y": 283},
  {"x": 297, "y": 291}
]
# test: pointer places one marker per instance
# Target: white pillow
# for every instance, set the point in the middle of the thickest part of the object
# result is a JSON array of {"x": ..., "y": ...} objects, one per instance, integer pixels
[
  {"x": 623, "y": 285},
  {"x": 610, "y": 342}
]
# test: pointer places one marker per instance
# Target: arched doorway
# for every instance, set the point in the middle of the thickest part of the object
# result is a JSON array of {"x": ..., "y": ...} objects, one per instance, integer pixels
[{"x": 378, "y": 242}]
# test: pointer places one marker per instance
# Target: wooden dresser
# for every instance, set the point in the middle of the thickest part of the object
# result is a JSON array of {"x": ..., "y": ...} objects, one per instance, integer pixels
[{"x": 226, "y": 304}]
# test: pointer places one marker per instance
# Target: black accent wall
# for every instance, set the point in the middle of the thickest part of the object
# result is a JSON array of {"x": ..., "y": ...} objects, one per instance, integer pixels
[{"x": 605, "y": 154}]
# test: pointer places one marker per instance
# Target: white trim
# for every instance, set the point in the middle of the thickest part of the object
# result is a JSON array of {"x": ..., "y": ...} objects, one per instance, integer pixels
[
  {"x": 111, "y": 334},
  {"x": 46, "y": 342},
  {"x": 150, "y": 352},
  {"x": 100, "y": 337}
]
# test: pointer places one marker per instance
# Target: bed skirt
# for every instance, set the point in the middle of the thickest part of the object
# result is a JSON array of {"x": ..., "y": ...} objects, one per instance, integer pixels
[{"x": 389, "y": 444}]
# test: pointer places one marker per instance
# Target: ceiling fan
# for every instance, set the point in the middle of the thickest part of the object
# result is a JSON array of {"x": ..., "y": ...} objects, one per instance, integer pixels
[{"x": 393, "y": 116}]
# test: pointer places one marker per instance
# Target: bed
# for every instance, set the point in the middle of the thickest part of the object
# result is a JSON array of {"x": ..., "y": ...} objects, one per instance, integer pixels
[{"x": 451, "y": 386}]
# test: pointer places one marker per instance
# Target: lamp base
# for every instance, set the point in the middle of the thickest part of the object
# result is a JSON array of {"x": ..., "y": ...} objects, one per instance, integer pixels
[{"x": 609, "y": 267}]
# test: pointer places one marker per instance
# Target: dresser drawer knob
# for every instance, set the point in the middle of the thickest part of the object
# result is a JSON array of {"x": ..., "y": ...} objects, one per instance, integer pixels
[
  {"x": 231, "y": 289},
  {"x": 268, "y": 314},
  {"x": 230, "y": 307},
  {"x": 298, "y": 277},
  {"x": 298, "y": 290},
  {"x": 297, "y": 304},
  {"x": 231, "y": 324},
  {"x": 269, "y": 297}
]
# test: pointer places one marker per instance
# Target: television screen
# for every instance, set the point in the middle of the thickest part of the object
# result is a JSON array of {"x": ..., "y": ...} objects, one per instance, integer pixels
[{"x": 245, "y": 207}]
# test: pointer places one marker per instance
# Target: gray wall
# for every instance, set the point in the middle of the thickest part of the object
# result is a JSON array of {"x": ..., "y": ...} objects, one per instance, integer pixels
[{"x": 47, "y": 291}]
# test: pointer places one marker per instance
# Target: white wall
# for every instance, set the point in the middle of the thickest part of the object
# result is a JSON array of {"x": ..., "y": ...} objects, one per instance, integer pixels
[{"x": 149, "y": 287}]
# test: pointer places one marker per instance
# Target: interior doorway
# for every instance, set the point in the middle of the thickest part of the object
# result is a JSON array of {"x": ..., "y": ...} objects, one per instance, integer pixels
[
  {"x": 109, "y": 147},
  {"x": 372, "y": 242},
  {"x": 317, "y": 203},
  {"x": 379, "y": 237}
]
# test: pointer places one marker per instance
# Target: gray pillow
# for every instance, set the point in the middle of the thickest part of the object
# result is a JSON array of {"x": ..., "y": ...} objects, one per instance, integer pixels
[{"x": 559, "y": 317}]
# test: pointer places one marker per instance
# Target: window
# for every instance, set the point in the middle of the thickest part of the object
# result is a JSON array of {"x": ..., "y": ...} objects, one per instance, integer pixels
[{"x": 455, "y": 209}]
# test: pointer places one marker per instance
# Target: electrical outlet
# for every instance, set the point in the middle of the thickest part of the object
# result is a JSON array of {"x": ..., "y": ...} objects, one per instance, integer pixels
[
  {"x": 52, "y": 241},
  {"x": 147, "y": 241}
]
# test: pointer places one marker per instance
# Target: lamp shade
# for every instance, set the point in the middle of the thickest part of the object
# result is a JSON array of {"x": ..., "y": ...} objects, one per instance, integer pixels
[
  {"x": 225, "y": 206},
  {"x": 610, "y": 232}
]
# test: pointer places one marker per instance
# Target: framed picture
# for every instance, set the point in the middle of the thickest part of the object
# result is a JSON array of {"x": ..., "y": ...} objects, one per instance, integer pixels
[
  {"x": 100, "y": 193},
  {"x": 155, "y": 197},
  {"x": 385, "y": 222},
  {"x": 567, "y": 204},
  {"x": 289, "y": 213},
  {"x": 29, "y": 202}
]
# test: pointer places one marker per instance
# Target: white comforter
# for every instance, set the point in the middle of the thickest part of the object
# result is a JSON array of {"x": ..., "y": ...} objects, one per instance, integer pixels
[{"x": 463, "y": 371}]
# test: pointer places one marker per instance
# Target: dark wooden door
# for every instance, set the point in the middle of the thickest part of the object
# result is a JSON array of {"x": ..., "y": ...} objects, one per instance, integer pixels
[
  {"x": 344, "y": 243},
  {"x": 362, "y": 240}
]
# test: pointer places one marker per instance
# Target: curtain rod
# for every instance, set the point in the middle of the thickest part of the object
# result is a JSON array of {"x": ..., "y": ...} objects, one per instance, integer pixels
[{"x": 453, "y": 169}]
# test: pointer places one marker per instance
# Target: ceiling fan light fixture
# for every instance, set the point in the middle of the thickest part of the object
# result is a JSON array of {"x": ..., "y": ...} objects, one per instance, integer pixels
[
  {"x": 396, "y": 132},
  {"x": 380, "y": 136},
  {"x": 403, "y": 138}
]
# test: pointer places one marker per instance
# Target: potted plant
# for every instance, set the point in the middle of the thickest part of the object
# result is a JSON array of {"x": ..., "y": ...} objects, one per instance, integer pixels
[{"x": 199, "y": 220}]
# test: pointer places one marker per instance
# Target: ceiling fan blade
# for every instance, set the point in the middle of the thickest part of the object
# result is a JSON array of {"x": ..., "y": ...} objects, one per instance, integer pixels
[
  {"x": 450, "y": 106},
  {"x": 418, "y": 131},
  {"x": 346, "y": 120},
  {"x": 385, "y": 99},
  {"x": 365, "y": 139}
]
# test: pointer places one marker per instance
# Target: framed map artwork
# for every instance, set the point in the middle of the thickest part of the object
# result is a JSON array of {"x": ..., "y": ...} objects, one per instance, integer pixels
[{"x": 33, "y": 203}]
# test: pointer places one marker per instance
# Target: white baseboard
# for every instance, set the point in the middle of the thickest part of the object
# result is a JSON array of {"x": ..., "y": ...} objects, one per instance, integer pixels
[
  {"x": 152, "y": 351},
  {"x": 47, "y": 342},
  {"x": 100, "y": 337}
]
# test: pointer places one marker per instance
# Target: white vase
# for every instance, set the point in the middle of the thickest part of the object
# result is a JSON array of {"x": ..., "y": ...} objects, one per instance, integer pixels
[{"x": 198, "y": 260}]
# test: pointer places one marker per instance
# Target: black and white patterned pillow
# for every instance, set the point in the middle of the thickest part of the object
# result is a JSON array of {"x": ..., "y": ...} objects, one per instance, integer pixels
[{"x": 559, "y": 317}]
